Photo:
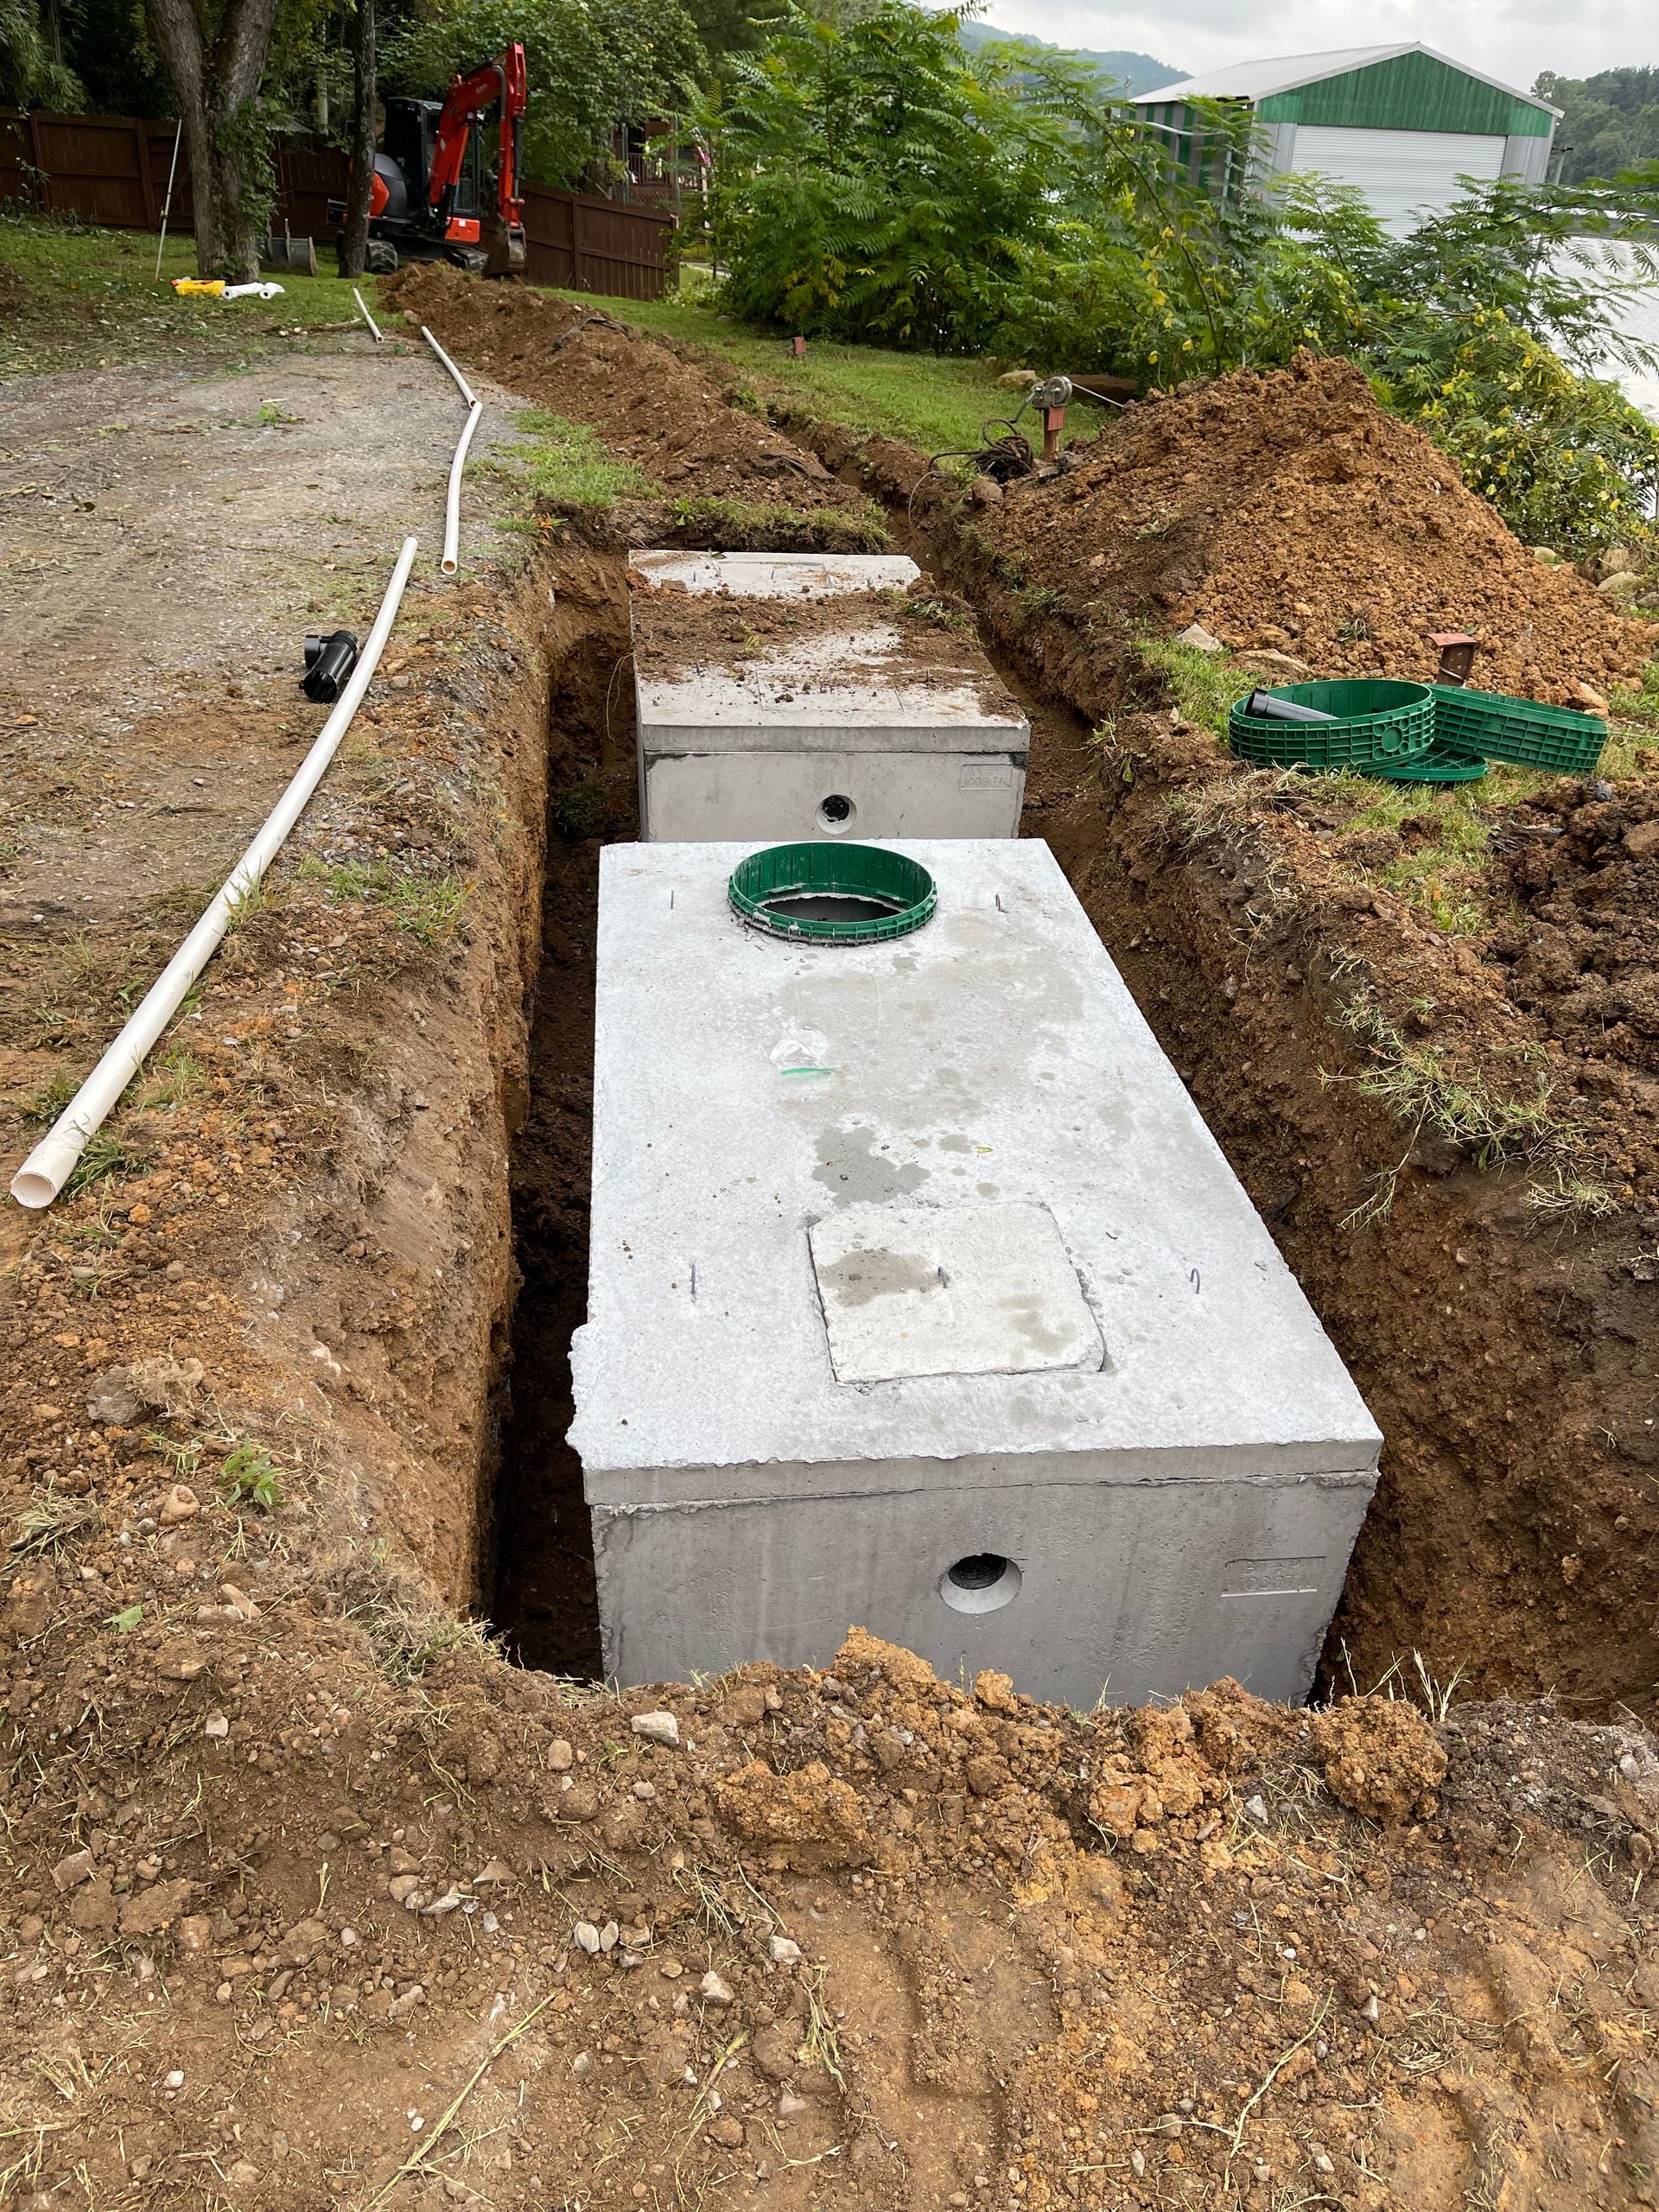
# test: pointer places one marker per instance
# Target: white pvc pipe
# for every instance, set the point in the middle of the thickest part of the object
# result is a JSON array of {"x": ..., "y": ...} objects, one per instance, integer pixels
[
  {"x": 465, "y": 389},
  {"x": 374, "y": 326},
  {"x": 48, "y": 1167},
  {"x": 452, "y": 498},
  {"x": 451, "y": 559}
]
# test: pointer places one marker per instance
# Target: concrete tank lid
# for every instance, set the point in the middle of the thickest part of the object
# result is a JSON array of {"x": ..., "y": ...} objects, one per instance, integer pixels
[
  {"x": 747, "y": 1090},
  {"x": 983, "y": 1289}
]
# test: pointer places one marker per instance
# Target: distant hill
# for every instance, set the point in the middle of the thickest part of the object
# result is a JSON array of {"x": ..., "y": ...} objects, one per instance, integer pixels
[{"x": 1136, "y": 72}]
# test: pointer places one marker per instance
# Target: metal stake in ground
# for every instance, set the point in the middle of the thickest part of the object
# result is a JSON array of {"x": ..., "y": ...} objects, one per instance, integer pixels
[{"x": 167, "y": 204}]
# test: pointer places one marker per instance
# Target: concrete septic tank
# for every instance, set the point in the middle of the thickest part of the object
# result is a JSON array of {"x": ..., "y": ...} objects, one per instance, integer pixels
[
  {"x": 789, "y": 695},
  {"x": 921, "y": 1298}
]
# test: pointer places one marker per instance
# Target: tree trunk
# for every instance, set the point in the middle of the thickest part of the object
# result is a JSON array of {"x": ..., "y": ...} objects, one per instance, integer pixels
[
  {"x": 354, "y": 238},
  {"x": 215, "y": 81}
]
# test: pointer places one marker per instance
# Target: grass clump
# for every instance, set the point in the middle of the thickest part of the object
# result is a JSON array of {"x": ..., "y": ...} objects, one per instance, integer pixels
[
  {"x": 109, "y": 1154},
  {"x": 569, "y": 464},
  {"x": 1442, "y": 870},
  {"x": 1204, "y": 686},
  {"x": 50, "y": 1520},
  {"x": 1575, "y": 1197},
  {"x": 251, "y": 1477},
  {"x": 1419, "y": 1086},
  {"x": 937, "y": 614},
  {"x": 408, "y": 1637},
  {"x": 424, "y": 906},
  {"x": 740, "y": 525}
]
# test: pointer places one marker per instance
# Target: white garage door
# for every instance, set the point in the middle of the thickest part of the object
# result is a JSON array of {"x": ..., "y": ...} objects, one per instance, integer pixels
[{"x": 1397, "y": 170}]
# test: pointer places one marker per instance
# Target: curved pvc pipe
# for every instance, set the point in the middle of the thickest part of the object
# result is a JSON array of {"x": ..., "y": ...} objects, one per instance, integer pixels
[
  {"x": 48, "y": 1167},
  {"x": 461, "y": 384},
  {"x": 451, "y": 560}
]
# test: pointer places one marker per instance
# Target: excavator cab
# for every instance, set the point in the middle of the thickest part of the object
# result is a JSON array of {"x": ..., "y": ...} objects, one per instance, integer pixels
[{"x": 444, "y": 190}]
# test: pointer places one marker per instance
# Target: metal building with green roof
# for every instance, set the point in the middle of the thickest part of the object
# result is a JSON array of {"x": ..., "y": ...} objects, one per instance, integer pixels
[{"x": 1401, "y": 123}]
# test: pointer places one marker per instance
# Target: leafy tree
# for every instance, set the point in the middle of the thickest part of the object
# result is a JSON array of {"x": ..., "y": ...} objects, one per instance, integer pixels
[
  {"x": 591, "y": 64},
  {"x": 215, "y": 58},
  {"x": 1565, "y": 459},
  {"x": 107, "y": 43},
  {"x": 870, "y": 183},
  {"x": 873, "y": 181},
  {"x": 733, "y": 26},
  {"x": 32, "y": 72},
  {"x": 1609, "y": 122}
]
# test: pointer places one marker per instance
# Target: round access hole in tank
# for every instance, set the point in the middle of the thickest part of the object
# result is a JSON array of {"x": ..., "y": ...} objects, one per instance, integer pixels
[
  {"x": 980, "y": 1582},
  {"x": 834, "y": 894}
]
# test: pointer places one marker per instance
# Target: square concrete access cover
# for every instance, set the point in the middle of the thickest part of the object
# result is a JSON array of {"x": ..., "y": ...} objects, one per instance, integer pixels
[{"x": 950, "y": 1290}]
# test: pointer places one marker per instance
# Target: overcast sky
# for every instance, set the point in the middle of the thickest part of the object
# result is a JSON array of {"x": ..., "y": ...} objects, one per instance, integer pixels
[{"x": 1512, "y": 43}]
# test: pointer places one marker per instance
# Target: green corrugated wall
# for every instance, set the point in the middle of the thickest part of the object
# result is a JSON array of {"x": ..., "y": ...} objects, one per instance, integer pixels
[{"x": 1411, "y": 92}]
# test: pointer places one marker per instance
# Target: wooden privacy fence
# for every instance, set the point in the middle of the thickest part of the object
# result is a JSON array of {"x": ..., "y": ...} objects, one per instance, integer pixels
[
  {"x": 108, "y": 169},
  {"x": 111, "y": 171},
  {"x": 596, "y": 245}
]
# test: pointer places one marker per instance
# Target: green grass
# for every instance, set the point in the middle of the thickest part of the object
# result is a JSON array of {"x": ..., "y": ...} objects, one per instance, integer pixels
[
  {"x": 90, "y": 299},
  {"x": 569, "y": 464},
  {"x": 1420, "y": 1086},
  {"x": 1202, "y": 685},
  {"x": 251, "y": 1477},
  {"x": 929, "y": 400},
  {"x": 426, "y": 907},
  {"x": 108, "y": 1155}
]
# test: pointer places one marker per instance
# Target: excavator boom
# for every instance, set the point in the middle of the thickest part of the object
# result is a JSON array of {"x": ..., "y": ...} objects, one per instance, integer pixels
[{"x": 499, "y": 84}]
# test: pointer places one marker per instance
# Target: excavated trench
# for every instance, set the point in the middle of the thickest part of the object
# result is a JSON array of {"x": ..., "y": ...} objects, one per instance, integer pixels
[
  {"x": 1461, "y": 1557},
  {"x": 539, "y": 1575}
]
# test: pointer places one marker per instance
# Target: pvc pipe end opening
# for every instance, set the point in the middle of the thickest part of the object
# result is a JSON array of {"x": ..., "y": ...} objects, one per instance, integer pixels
[
  {"x": 30, "y": 1188},
  {"x": 983, "y": 1582}
]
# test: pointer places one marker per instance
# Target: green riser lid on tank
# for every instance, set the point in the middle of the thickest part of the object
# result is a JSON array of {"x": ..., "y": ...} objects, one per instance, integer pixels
[{"x": 897, "y": 891}]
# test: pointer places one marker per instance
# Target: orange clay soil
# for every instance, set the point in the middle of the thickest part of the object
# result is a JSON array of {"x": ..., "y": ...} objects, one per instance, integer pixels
[{"x": 1288, "y": 511}]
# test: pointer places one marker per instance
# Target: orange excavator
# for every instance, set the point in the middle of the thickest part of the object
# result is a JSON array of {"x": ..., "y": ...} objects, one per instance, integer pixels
[{"x": 437, "y": 194}]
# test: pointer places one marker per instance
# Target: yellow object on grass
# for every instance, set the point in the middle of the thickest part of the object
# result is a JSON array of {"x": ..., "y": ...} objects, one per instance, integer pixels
[{"x": 215, "y": 288}]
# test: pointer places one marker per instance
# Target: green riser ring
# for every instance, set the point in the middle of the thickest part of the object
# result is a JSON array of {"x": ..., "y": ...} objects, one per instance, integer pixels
[
  {"x": 1520, "y": 731},
  {"x": 826, "y": 870},
  {"x": 1436, "y": 765},
  {"x": 1305, "y": 743},
  {"x": 1399, "y": 727}
]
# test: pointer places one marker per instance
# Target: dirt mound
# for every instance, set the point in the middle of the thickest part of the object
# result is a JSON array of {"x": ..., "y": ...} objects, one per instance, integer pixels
[
  {"x": 674, "y": 421},
  {"x": 1583, "y": 870},
  {"x": 1381, "y": 1758},
  {"x": 859, "y": 1938},
  {"x": 1287, "y": 511}
]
